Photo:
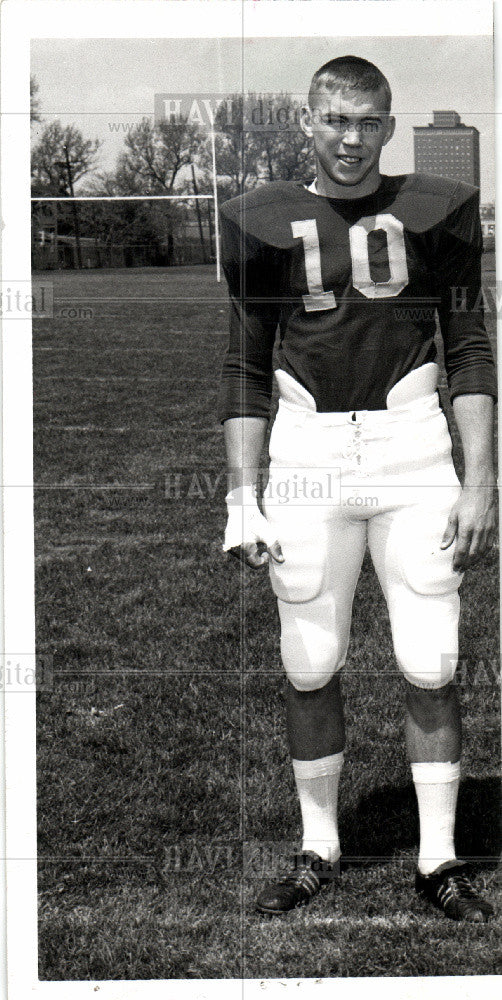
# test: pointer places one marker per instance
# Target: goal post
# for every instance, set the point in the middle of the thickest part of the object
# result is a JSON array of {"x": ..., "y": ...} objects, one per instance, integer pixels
[{"x": 215, "y": 196}]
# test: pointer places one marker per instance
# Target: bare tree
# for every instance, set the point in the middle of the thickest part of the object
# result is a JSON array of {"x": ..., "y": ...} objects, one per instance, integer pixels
[
  {"x": 153, "y": 162},
  {"x": 280, "y": 149},
  {"x": 34, "y": 101},
  {"x": 155, "y": 155},
  {"x": 258, "y": 138},
  {"x": 102, "y": 183},
  {"x": 236, "y": 168},
  {"x": 61, "y": 157}
]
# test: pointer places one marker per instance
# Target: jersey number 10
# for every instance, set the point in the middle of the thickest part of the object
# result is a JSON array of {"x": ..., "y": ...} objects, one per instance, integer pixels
[{"x": 318, "y": 299}]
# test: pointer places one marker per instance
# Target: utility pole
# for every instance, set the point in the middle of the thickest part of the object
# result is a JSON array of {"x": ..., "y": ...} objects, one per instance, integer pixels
[
  {"x": 199, "y": 220},
  {"x": 56, "y": 247},
  {"x": 74, "y": 209}
]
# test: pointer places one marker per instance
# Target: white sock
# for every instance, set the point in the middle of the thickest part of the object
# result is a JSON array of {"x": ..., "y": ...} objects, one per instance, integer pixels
[
  {"x": 317, "y": 786},
  {"x": 436, "y": 785}
]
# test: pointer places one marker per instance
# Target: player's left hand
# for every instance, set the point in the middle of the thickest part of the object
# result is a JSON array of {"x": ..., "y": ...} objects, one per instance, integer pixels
[{"x": 472, "y": 522}]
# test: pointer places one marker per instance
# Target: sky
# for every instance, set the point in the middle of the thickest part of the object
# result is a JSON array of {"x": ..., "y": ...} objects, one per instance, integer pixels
[{"x": 104, "y": 86}]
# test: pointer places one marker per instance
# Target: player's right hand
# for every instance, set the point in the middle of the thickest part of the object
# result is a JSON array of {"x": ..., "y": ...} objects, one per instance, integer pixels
[{"x": 248, "y": 535}]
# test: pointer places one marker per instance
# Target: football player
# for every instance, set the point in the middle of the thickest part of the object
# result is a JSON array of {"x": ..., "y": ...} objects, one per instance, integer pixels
[{"x": 352, "y": 269}]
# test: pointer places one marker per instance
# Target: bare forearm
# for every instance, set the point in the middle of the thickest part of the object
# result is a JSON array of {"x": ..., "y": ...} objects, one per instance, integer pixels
[
  {"x": 474, "y": 416},
  {"x": 472, "y": 520},
  {"x": 244, "y": 440}
]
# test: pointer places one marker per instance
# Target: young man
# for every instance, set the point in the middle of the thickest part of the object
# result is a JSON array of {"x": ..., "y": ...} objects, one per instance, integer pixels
[{"x": 353, "y": 270}]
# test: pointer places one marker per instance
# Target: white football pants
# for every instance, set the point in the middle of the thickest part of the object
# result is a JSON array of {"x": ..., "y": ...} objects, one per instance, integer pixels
[{"x": 339, "y": 480}]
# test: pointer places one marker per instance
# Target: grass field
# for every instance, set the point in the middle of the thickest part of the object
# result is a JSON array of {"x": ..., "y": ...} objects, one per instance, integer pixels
[{"x": 164, "y": 783}]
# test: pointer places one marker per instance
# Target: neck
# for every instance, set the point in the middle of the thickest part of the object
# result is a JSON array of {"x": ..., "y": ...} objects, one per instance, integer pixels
[{"x": 330, "y": 189}]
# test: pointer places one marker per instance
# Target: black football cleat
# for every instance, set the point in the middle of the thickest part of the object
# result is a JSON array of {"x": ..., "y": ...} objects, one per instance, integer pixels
[
  {"x": 450, "y": 889},
  {"x": 309, "y": 874}
]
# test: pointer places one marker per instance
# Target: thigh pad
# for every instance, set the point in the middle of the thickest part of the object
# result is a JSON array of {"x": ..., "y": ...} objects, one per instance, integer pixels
[
  {"x": 424, "y": 566},
  {"x": 302, "y": 575}
]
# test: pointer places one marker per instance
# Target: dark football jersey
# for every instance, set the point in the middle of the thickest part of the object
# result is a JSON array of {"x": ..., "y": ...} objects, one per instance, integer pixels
[{"x": 354, "y": 287}]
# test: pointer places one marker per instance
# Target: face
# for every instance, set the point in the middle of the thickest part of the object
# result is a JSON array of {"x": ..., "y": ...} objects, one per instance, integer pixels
[{"x": 349, "y": 129}]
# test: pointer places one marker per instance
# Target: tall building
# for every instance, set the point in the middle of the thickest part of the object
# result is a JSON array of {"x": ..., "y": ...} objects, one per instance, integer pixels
[{"x": 448, "y": 148}]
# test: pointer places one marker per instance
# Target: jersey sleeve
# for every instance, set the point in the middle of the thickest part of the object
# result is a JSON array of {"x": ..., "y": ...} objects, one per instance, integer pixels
[
  {"x": 469, "y": 362},
  {"x": 246, "y": 378}
]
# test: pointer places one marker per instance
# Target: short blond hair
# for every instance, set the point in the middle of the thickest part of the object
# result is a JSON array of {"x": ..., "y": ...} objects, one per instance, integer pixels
[{"x": 350, "y": 73}]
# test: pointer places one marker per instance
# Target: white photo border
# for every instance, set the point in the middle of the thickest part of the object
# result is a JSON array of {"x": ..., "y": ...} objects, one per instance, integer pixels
[{"x": 23, "y": 20}]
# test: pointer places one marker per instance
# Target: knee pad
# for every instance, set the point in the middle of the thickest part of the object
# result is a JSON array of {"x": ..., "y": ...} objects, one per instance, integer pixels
[
  {"x": 423, "y": 596},
  {"x": 312, "y": 649},
  {"x": 426, "y": 640},
  {"x": 432, "y": 680}
]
